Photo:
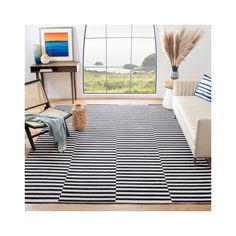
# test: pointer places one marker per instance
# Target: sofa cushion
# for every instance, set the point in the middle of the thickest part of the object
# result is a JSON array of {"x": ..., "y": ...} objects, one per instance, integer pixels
[
  {"x": 204, "y": 88},
  {"x": 191, "y": 108}
]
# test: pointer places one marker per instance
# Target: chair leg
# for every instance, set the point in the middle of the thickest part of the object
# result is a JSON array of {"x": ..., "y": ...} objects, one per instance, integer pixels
[
  {"x": 27, "y": 130},
  {"x": 67, "y": 130}
]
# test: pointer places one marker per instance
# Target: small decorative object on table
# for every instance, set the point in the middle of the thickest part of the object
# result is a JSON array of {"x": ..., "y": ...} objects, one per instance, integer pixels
[
  {"x": 37, "y": 53},
  {"x": 45, "y": 58},
  {"x": 79, "y": 117}
]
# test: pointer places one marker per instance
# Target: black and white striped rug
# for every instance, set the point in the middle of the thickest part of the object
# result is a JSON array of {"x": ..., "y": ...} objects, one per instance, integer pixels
[{"x": 126, "y": 154}]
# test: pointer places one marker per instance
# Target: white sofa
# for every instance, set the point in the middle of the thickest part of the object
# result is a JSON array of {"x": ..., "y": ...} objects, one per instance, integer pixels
[{"x": 194, "y": 116}]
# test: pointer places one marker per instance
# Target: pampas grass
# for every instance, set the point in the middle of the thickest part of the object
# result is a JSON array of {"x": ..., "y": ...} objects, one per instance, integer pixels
[{"x": 178, "y": 45}]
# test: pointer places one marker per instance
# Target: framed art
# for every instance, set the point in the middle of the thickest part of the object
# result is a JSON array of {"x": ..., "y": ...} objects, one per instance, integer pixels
[{"x": 57, "y": 43}]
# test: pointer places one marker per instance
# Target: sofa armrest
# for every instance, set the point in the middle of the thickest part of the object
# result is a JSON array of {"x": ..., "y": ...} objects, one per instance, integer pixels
[
  {"x": 185, "y": 87},
  {"x": 203, "y": 138}
]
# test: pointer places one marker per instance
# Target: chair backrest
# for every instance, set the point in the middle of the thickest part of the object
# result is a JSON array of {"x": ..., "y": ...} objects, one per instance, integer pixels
[{"x": 35, "y": 95}]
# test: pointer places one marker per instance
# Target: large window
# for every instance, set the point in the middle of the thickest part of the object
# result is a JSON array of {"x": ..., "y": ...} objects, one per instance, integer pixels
[{"x": 119, "y": 59}]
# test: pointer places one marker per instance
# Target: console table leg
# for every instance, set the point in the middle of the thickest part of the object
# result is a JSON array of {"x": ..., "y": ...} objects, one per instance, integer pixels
[
  {"x": 37, "y": 75},
  {"x": 42, "y": 79},
  {"x": 75, "y": 85},
  {"x": 72, "y": 86}
]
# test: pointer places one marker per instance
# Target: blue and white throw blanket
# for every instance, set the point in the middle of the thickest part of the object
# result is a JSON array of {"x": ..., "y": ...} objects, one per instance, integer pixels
[{"x": 56, "y": 125}]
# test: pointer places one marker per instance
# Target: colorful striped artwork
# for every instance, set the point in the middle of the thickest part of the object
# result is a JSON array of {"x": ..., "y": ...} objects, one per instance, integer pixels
[{"x": 56, "y": 44}]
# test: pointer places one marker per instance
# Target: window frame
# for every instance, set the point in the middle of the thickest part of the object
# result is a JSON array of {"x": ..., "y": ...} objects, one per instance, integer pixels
[{"x": 107, "y": 67}]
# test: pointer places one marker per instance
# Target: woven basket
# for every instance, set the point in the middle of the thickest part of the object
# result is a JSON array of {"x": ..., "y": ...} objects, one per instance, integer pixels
[{"x": 79, "y": 117}]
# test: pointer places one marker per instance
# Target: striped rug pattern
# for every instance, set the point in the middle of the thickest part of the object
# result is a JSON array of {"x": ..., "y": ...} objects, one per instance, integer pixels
[{"x": 126, "y": 154}]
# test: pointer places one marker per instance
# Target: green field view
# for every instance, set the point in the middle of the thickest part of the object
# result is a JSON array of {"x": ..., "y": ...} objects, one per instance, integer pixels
[{"x": 140, "y": 83}]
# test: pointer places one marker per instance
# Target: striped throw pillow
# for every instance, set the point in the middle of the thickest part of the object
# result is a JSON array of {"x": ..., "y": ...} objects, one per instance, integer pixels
[{"x": 204, "y": 88}]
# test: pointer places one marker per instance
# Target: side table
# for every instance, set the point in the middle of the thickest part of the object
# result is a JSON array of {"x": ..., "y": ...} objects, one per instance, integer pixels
[{"x": 167, "y": 101}]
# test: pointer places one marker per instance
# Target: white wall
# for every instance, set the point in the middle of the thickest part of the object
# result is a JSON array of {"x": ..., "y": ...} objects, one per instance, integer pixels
[{"x": 57, "y": 85}]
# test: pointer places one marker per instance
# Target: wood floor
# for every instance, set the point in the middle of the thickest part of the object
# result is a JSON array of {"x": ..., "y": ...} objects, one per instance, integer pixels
[
  {"x": 116, "y": 207},
  {"x": 108, "y": 101},
  {"x": 111, "y": 207}
]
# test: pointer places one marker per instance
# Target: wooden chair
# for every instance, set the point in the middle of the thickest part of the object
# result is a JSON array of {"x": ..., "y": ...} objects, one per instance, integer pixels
[{"x": 36, "y": 101}]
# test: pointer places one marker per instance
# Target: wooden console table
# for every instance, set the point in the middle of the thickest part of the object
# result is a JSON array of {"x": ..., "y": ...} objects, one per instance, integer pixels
[{"x": 57, "y": 67}]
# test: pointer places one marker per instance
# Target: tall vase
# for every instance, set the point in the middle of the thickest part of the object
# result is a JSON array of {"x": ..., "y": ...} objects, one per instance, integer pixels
[
  {"x": 175, "y": 73},
  {"x": 37, "y": 53}
]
